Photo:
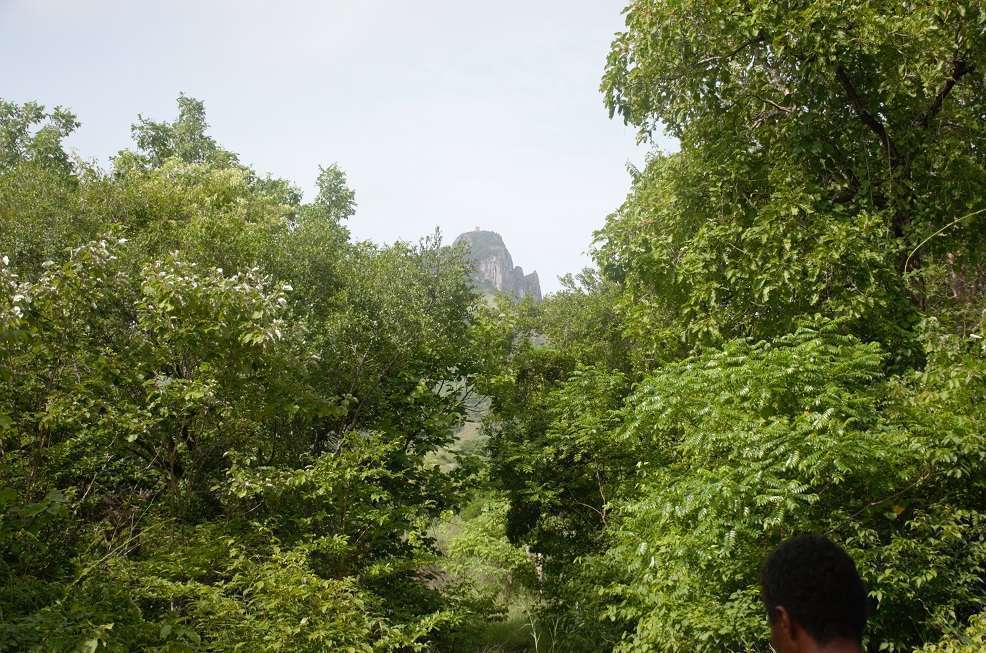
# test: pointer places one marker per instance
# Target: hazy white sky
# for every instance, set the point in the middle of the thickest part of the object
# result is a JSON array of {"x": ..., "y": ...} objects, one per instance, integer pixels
[{"x": 443, "y": 113}]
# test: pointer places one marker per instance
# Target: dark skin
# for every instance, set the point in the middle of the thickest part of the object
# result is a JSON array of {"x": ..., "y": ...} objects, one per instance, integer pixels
[{"x": 787, "y": 636}]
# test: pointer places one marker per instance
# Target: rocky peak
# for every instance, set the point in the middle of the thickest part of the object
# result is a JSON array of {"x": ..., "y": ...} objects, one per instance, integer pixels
[{"x": 494, "y": 268}]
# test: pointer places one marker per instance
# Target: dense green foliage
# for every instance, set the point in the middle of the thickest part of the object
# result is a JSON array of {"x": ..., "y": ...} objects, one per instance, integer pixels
[
  {"x": 821, "y": 142},
  {"x": 215, "y": 409},
  {"x": 225, "y": 425},
  {"x": 785, "y": 334}
]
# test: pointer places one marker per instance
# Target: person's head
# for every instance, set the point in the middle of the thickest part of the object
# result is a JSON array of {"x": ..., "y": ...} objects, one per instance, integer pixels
[{"x": 813, "y": 595}]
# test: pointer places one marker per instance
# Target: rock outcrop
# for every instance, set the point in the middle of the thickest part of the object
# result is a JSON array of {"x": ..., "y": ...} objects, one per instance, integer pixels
[{"x": 494, "y": 268}]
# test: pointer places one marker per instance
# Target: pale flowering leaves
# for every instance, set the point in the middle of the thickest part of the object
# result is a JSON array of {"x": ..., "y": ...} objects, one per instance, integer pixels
[
  {"x": 174, "y": 297},
  {"x": 14, "y": 297},
  {"x": 180, "y": 297}
]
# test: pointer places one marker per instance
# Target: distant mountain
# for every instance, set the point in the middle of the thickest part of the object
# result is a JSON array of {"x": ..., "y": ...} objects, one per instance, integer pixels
[{"x": 495, "y": 270}]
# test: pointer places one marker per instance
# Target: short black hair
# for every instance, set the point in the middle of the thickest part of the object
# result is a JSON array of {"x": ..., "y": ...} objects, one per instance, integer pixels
[{"x": 817, "y": 583}]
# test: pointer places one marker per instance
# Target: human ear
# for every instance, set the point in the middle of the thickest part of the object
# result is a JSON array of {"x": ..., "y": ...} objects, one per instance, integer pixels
[{"x": 782, "y": 634}]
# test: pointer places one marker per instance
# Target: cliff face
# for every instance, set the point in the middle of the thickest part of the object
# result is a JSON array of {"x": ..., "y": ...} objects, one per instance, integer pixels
[{"x": 495, "y": 270}]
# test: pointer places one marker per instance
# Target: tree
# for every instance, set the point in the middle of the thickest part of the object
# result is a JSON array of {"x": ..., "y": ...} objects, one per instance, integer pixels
[
  {"x": 30, "y": 134},
  {"x": 810, "y": 131},
  {"x": 335, "y": 200},
  {"x": 217, "y": 412},
  {"x": 715, "y": 459},
  {"x": 796, "y": 312},
  {"x": 185, "y": 138},
  {"x": 742, "y": 447}
]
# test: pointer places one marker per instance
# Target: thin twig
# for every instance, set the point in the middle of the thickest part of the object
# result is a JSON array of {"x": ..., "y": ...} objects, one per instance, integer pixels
[{"x": 953, "y": 222}]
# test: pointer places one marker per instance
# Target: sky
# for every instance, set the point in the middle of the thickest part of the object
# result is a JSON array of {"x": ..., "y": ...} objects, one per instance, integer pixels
[{"x": 443, "y": 113}]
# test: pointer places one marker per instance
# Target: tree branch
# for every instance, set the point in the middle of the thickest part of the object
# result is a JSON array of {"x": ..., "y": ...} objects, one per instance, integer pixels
[
  {"x": 779, "y": 107},
  {"x": 875, "y": 124},
  {"x": 759, "y": 38},
  {"x": 959, "y": 69}
]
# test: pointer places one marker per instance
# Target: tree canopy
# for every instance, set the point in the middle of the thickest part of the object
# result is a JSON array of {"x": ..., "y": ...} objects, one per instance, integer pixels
[
  {"x": 226, "y": 425},
  {"x": 216, "y": 409},
  {"x": 784, "y": 335}
]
